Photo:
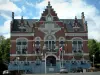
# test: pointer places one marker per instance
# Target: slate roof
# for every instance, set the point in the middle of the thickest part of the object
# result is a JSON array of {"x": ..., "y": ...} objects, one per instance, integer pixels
[
  {"x": 69, "y": 24},
  {"x": 28, "y": 23}
]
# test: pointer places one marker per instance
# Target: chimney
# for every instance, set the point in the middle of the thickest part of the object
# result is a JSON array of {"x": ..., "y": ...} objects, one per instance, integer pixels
[
  {"x": 84, "y": 22},
  {"x": 12, "y": 16},
  {"x": 83, "y": 17}
]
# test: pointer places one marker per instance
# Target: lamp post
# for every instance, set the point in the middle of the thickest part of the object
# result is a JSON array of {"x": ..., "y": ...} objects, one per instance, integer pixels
[
  {"x": 18, "y": 63},
  {"x": 93, "y": 60}
]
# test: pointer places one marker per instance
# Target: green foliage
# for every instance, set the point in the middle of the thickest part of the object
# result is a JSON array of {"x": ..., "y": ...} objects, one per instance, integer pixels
[
  {"x": 94, "y": 49},
  {"x": 4, "y": 49}
]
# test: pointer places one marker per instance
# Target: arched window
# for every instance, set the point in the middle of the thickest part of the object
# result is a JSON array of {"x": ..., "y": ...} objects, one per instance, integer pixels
[
  {"x": 50, "y": 42},
  {"x": 61, "y": 41},
  {"x": 77, "y": 45},
  {"x": 37, "y": 44},
  {"x": 21, "y": 45},
  {"x": 37, "y": 41},
  {"x": 49, "y": 18}
]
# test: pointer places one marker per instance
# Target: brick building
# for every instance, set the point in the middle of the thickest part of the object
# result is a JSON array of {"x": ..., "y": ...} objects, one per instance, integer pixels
[{"x": 35, "y": 43}]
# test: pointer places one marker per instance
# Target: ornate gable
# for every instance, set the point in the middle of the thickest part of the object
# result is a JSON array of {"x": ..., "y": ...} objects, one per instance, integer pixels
[
  {"x": 49, "y": 14},
  {"x": 76, "y": 24}
]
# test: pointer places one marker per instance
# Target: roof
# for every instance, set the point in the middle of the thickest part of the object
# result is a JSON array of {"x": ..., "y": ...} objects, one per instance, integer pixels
[{"x": 29, "y": 23}]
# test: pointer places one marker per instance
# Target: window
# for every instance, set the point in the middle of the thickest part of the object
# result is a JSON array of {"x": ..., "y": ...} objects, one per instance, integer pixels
[
  {"x": 50, "y": 42},
  {"x": 37, "y": 44},
  {"x": 49, "y": 18},
  {"x": 37, "y": 41},
  {"x": 38, "y": 62},
  {"x": 77, "y": 45},
  {"x": 61, "y": 42},
  {"x": 21, "y": 45}
]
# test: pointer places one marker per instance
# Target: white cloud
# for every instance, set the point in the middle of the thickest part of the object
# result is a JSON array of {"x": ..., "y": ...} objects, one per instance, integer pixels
[
  {"x": 19, "y": 17},
  {"x": 30, "y": 4},
  {"x": 23, "y": 8},
  {"x": 15, "y": 0},
  {"x": 6, "y": 5},
  {"x": 69, "y": 9},
  {"x": 7, "y": 35},
  {"x": 5, "y": 16},
  {"x": 5, "y": 28}
]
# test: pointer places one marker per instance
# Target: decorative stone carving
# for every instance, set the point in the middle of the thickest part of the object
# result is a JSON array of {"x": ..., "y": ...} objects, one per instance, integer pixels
[{"x": 49, "y": 28}]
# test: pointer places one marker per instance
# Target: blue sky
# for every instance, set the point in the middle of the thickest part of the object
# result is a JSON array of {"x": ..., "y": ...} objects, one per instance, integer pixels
[{"x": 64, "y": 9}]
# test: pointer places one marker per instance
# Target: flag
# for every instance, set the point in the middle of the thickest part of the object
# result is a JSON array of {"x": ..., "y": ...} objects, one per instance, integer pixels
[{"x": 58, "y": 51}]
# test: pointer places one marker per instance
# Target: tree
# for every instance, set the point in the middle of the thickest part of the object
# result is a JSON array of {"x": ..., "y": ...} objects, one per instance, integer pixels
[
  {"x": 4, "y": 49},
  {"x": 6, "y": 55},
  {"x": 94, "y": 50}
]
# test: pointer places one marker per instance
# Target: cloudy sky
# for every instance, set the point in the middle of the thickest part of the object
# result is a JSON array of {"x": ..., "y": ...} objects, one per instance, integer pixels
[{"x": 65, "y": 9}]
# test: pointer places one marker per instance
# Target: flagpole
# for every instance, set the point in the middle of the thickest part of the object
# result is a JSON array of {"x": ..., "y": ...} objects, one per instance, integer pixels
[
  {"x": 62, "y": 58},
  {"x": 45, "y": 63},
  {"x": 59, "y": 58},
  {"x": 44, "y": 48}
]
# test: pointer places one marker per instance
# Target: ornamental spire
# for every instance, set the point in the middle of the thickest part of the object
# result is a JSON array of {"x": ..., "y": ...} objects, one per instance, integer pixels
[
  {"x": 48, "y": 3},
  {"x": 75, "y": 19},
  {"x": 22, "y": 19}
]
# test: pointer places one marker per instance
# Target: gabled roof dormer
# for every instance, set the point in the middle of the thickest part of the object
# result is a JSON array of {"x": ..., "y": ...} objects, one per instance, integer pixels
[{"x": 75, "y": 24}]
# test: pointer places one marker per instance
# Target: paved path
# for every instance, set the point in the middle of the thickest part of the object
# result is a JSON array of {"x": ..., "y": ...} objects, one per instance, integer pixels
[{"x": 87, "y": 73}]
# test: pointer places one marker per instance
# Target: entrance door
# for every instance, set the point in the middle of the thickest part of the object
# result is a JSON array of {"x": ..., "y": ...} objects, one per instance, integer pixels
[{"x": 51, "y": 64}]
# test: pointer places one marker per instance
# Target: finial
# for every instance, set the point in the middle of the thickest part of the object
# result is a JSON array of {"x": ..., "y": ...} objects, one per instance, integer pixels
[
  {"x": 48, "y": 3},
  {"x": 83, "y": 14},
  {"x": 75, "y": 17},
  {"x": 22, "y": 19},
  {"x": 12, "y": 15}
]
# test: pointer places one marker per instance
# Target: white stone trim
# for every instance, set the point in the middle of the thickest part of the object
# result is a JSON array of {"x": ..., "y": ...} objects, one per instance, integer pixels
[
  {"x": 76, "y": 34},
  {"x": 78, "y": 38},
  {"x": 22, "y": 34},
  {"x": 86, "y": 54},
  {"x": 22, "y": 38},
  {"x": 71, "y": 54},
  {"x": 27, "y": 41},
  {"x": 42, "y": 40},
  {"x": 68, "y": 54},
  {"x": 61, "y": 39},
  {"x": 37, "y": 39},
  {"x": 71, "y": 40},
  {"x": 49, "y": 40},
  {"x": 24, "y": 54},
  {"x": 51, "y": 55}
]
